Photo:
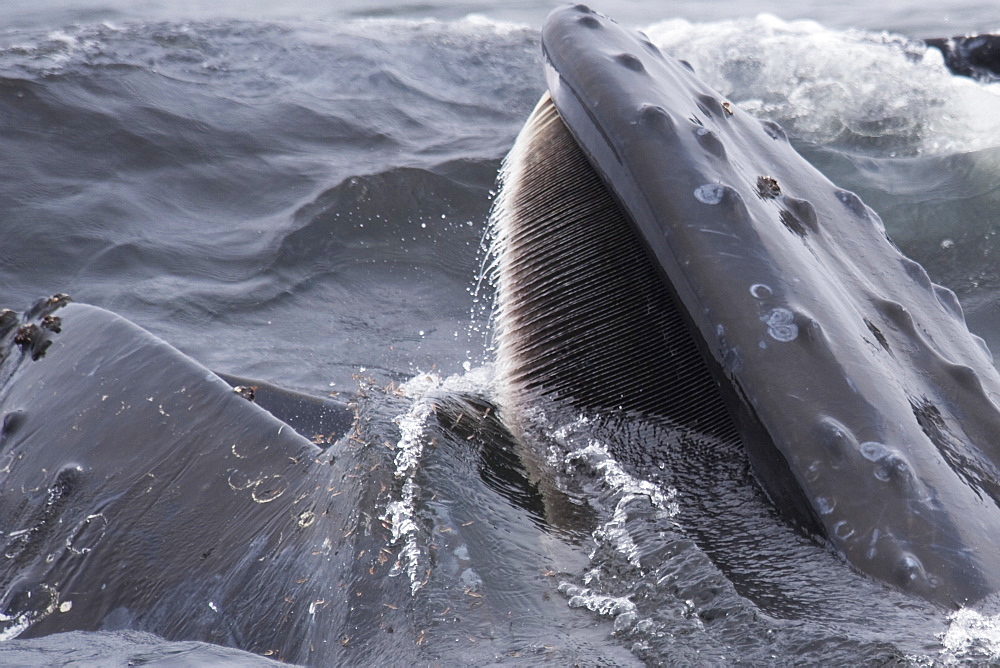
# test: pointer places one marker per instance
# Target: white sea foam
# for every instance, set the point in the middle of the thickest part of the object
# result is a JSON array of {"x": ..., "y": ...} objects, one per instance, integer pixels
[
  {"x": 626, "y": 490},
  {"x": 872, "y": 91},
  {"x": 401, "y": 512},
  {"x": 471, "y": 24},
  {"x": 971, "y": 637},
  {"x": 473, "y": 28},
  {"x": 620, "y": 608}
]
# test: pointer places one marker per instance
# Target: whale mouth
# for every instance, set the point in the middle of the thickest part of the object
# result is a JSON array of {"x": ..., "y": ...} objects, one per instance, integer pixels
[
  {"x": 573, "y": 276},
  {"x": 660, "y": 254},
  {"x": 587, "y": 323}
]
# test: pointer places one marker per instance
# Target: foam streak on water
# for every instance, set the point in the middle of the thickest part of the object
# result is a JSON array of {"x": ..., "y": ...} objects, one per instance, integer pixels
[
  {"x": 625, "y": 504},
  {"x": 626, "y": 490},
  {"x": 629, "y": 502},
  {"x": 606, "y": 606},
  {"x": 401, "y": 513}
]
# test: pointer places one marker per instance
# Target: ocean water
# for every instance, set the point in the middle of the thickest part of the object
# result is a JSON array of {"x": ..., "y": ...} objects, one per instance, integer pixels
[{"x": 298, "y": 192}]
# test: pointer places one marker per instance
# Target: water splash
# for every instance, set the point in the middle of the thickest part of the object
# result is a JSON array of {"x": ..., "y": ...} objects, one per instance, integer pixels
[
  {"x": 971, "y": 636},
  {"x": 401, "y": 513},
  {"x": 874, "y": 92}
]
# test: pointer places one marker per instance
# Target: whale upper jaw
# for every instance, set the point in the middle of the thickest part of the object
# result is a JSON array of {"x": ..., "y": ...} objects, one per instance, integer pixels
[{"x": 659, "y": 251}]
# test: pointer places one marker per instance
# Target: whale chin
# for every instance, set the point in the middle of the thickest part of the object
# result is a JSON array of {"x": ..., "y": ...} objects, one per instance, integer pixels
[{"x": 661, "y": 256}]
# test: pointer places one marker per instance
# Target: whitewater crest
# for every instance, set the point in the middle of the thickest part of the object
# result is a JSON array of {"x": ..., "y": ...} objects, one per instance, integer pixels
[
  {"x": 970, "y": 636},
  {"x": 871, "y": 92}
]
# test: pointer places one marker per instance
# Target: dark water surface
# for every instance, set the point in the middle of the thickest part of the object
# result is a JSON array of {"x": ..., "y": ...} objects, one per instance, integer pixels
[{"x": 304, "y": 201}]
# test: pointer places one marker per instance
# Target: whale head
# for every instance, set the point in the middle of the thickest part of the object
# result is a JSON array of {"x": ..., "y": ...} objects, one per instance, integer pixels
[{"x": 659, "y": 252}]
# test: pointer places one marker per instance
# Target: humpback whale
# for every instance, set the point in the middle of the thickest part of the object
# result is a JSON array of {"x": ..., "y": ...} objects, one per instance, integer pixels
[
  {"x": 975, "y": 56},
  {"x": 661, "y": 253},
  {"x": 140, "y": 491}
]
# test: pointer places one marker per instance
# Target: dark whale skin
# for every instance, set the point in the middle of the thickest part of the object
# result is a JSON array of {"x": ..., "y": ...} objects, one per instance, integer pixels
[
  {"x": 974, "y": 56},
  {"x": 858, "y": 382},
  {"x": 139, "y": 491}
]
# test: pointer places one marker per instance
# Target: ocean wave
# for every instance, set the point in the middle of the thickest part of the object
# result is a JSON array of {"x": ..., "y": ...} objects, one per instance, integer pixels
[{"x": 873, "y": 93}]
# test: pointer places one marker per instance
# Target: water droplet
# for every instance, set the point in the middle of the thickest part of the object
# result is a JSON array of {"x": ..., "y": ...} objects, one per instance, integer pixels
[{"x": 624, "y": 621}]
